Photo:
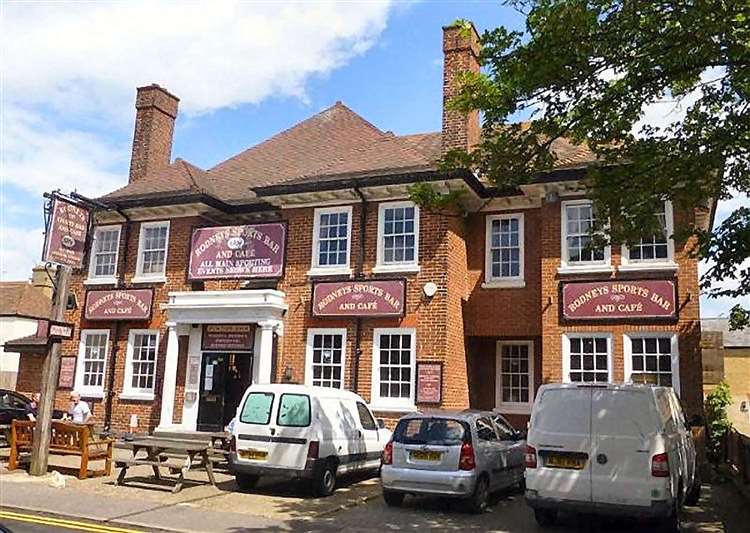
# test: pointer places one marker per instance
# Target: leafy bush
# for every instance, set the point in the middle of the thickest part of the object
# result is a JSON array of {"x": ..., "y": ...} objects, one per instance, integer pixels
[{"x": 717, "y": 421}]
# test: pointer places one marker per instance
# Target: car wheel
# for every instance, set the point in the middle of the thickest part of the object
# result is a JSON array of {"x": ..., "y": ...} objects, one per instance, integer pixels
[
  {"x": 325, "y": 481},
  {"x": 692, "y": 497},
  {"x": 545, "y": 517},
  {"x": 246, "y": 481},
  {"x": 393, "y": 499},
  {"x": 478, "y": 500}
]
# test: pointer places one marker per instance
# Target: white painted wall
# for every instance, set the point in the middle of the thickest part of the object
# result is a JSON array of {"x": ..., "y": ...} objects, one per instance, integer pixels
[{"x": 12, "y": 327}]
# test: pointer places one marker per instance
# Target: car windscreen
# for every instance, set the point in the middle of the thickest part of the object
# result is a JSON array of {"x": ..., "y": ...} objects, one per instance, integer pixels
[
  {"x": 257, "y": 408},
  {"x": 433, "y": 430}
]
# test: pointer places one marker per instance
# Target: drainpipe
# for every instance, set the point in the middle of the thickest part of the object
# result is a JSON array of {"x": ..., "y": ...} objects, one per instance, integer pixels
[
  {"x": 116, "y": 328},
  {"x": 359, "y": 274}
]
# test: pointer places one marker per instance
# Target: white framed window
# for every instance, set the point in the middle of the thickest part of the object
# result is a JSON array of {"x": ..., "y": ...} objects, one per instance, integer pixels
[
  {"x": 325, "y": 360},
  {"x": 140, "y": 364},
  {"x": 153, "y": 245},
  {"x": 653, "y": 358},
  {"x": 577, "y": 217},
  {"x": 514, "y": 376},
  {"x": 332, "y": 241},
  {"x": 587, "y": 357},
  {"x": 104, "y": 255},
  {"x": 398, "y": 237},
  {"x": 656, "y": 251},
  {"x": 92, "y": 362},
  {"x": 394, "y": 360},
  {"x": 504, "y": 251}
]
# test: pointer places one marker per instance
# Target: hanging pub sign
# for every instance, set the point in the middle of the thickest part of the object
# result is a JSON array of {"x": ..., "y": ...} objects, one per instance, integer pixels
[
  {"x": 606, "y": 300},
  {"x": 122, "y": 304},
  {"x": 54, "y": 330},
  {"x": 375, "y": 298},
  {"x": 230, "y": 337},
  {"x": 65, "y": 240},
  {"x": 238, "y": 252},
  {"x": 429, "y": 382}
]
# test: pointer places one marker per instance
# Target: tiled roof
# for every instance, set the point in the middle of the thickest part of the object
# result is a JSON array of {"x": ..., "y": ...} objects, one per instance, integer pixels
[
  {"x": 731, "y": 339},
  {"x": 335, "y": 144},
  {"x": 20, "y": 298}
]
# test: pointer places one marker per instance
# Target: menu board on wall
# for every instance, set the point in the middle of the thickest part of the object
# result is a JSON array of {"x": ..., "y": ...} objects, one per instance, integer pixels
[
  {"x": 228, "y": 337},
  {"x": 67, "y": 376},
  {"x": 430, "y": 383}
]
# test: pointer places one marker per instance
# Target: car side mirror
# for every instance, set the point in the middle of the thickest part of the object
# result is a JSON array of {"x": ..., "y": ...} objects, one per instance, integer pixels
[{"x": 381, "y": 423}]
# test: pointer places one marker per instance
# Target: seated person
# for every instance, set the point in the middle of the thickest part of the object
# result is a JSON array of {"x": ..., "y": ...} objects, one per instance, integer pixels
[{"x": 78, "y": 411}]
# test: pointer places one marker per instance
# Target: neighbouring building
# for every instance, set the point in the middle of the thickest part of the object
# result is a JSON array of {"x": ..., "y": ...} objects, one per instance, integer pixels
[
  {"x": 726, "y": 357},
  {"x": 302, "y": 260},
  {"x": 22, "y": 303}
]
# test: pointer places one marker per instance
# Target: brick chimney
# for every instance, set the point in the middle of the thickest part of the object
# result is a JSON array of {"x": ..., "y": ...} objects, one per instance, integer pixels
[
  {"x": 460, "y": 54},
  {"x": 41, "y": 280},
  {"x": 156, "y": 111}
]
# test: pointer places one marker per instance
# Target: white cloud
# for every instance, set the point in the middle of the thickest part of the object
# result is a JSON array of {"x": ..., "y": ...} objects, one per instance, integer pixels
[{"x": 22, "y": 250}]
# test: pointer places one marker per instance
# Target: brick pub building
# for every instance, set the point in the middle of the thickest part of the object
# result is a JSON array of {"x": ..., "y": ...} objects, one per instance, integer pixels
[{"x": 302, "y": 260}]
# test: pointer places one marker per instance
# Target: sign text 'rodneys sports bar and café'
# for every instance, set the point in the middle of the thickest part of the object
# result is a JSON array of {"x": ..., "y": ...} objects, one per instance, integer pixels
[
  {"x": 359, "y": 298},
  {"x": 118, "y": 304},
  {"x": 619, "y": 299}
]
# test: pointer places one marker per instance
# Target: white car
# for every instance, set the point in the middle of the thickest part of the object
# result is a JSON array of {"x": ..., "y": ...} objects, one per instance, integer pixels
[
  {"x": 296, "y": 431},
  {"x": 609, "y": 449}
]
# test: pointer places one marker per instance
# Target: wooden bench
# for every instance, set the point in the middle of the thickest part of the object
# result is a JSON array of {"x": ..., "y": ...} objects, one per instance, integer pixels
[{"x": 66, "y": 439}]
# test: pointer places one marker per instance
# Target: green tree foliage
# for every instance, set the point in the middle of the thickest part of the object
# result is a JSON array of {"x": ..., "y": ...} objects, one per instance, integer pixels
[
  {"x": 585, "y": 69},
  {"x": 717, "y": 421}
]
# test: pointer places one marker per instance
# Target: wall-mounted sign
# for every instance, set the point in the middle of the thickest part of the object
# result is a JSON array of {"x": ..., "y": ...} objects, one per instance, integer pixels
[
  {"x": 228, "y": 337},
  {"x": 67, "y": 372},
  {"x": 56, "y": 331},
  {"x": 65, "y": 241},
  {"x": 373, "y": 298},
  {"x": 238, "y": 252},
  {"x": 429, "y": 383},
  {"x": 124, "y": 304},
  {"x": 606, "y": 300}
]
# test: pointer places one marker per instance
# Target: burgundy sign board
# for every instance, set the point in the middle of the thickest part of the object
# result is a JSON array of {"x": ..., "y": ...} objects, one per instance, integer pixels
[
  {"x": 67, "y": 372},
  {"x": 359, "y": 298},
  {"x": 429, "y": 382},
  {"x": 125, "y": 304},
  {"x": 232, "y": 337},
  {"x": 65, "y": 241},
  {"x": 238, "y": 252},
  {"x": 606, "y": 300},
  {"x": 56, "y": 331}
]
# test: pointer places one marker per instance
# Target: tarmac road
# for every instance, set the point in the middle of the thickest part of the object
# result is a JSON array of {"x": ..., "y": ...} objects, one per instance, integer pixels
[{"x": 26, "y": 522}]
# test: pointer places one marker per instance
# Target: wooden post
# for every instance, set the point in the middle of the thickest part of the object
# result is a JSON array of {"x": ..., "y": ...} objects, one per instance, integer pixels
[{"x": 50, "y": 370}]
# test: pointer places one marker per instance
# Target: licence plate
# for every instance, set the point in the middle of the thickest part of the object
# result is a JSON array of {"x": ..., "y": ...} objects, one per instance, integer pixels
[
  {"x": 426, "y": 456},
  {"x": 254, "y": 455},
  {"x": 564, "y": 461}
]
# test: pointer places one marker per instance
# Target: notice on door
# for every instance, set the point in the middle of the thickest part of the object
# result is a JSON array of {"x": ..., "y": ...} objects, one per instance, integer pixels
[
  {"x": 228, "y": 337},
  {"x": 429, "y": 383}
]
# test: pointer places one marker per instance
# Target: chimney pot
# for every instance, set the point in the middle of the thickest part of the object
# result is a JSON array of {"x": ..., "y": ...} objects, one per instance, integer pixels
[{"x": 156, "y": 111}]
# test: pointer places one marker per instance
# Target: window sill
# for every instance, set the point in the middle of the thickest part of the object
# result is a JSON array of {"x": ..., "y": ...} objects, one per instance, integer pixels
[
  {"x": 393, "y": 408},
  {"x": 639, "y": 267},
  {"x": 513, "y": 408},
  {"x": 92, "y": 395},
  {"x": 338, "y": 271},
  {"x": 585, "y": 269},
  {"x": 149, "y": 279},
  {"x": 142, "y": 396},
  {"x": 396, "y": 269},
  {"x": 101, "y": 281},
  {"x": 504, "y": 284}
]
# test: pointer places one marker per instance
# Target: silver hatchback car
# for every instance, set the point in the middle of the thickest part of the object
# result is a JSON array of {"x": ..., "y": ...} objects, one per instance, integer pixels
[{"x": 466, "y": 454}]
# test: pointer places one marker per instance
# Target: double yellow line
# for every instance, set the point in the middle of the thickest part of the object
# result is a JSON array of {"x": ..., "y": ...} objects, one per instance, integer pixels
[{"x": 64, "y": 523}]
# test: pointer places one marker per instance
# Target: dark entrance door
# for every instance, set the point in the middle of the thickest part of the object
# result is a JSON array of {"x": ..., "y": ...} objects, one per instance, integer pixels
[{"x": 224, "y": 378}]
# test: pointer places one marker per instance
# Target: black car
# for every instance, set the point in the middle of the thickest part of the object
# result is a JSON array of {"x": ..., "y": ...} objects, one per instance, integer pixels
[{"x": 15, "y": 406}]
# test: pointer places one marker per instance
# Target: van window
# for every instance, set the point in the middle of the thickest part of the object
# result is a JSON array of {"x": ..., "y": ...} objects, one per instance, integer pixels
[
  {"x": 294, "y": 410},
  {"x": 625, "y": 413},
  {"x": 257, "y": 408},
  {"x": 365, "y": 418},
  {"x": 563, "y": 411},
  {"x": 439, "y": 431}
]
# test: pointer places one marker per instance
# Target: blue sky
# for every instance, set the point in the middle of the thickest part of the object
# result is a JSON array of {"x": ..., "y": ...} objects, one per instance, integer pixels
[{"x": 243, "y": 72}]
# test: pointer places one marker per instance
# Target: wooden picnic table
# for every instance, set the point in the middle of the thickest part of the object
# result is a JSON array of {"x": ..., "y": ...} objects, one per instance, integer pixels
[{"x": 160, "y": 453}]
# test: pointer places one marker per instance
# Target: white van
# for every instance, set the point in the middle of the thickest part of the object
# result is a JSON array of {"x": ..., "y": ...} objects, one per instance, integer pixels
[
  {"x": 303, "y": 432},
  {"x": 609, "y": 449}
]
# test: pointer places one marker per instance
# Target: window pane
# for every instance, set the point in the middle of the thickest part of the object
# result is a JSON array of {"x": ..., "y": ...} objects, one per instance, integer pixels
[
  {"x": 589, "y": 359},
  {"x": 399, "y": 235},
  {"x": 294, "y": 410},
  {"x": 514, "y": 373},
  {"x": 327, "y": 360},
  {"x": 257, "y": 408},
  {"x": 505, "y": 248},
  {"x": 651, "y": 360},
  {"x": 580, "y": 220},
  {"x": 332, "y": 238},
  {"x": 395, "y": 365}
]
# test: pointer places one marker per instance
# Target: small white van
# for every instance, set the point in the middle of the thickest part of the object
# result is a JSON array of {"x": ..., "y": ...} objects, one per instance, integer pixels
[
  {"x": 609, "y": 449},
  {"x": 297, "y": 431}
]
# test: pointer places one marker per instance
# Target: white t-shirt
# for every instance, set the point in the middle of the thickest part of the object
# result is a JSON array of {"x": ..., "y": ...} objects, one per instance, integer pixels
[{"x": 79, "y": 411}]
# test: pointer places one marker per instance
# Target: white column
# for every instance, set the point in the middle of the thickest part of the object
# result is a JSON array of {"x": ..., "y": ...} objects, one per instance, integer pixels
[
  {"x": 170, "y": 377},
  {"x": 264, "y": 354}
]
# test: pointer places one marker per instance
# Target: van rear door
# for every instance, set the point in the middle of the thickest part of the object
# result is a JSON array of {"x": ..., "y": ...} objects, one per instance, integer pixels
[
  {"x": 560, "y": 430},
  {"x": 290, "y": 429},
  {"x": 252, "y": 429},
  {"x": 623, "y": 425}
]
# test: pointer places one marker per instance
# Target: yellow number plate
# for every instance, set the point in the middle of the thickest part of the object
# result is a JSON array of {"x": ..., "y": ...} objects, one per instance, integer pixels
[
  {"x": 255, "y": 455},
  {"x": 560, "y": 461},
  {"x": 426, "y": 456}
]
